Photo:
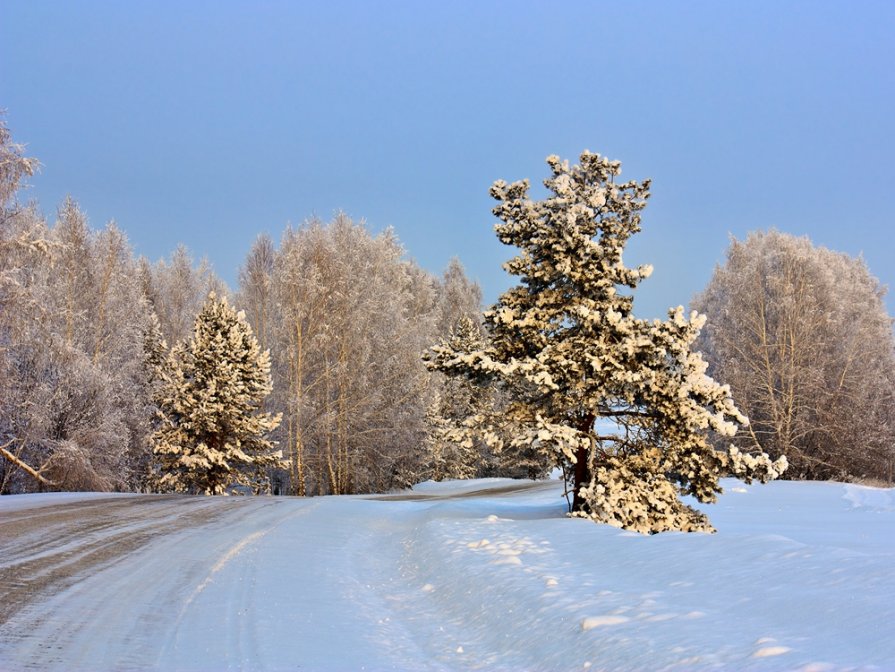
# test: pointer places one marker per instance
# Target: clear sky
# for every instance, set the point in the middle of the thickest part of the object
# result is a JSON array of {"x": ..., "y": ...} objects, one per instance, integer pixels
[{"x": 208, "y": 122}]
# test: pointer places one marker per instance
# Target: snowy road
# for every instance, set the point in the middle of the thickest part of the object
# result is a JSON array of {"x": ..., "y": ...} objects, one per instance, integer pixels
[{"x": 478, "y": 575}]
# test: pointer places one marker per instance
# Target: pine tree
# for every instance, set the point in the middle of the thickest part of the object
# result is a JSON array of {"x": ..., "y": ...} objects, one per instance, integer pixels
[
  {"x": 460, "y": 442},
  {"x": 452, "y": 450},
  {"x": 213, "y": 435},
  {"x": 574, "y": 360}
]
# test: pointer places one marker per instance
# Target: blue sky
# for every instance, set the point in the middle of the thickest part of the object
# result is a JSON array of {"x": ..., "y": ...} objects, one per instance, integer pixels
[{"x": 208, "y": 122}]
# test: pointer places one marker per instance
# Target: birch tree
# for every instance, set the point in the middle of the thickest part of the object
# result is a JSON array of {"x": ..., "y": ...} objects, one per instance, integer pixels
[
  {"x": 256, "y": 287},
  {"x": 23, "y": 246},
  {"x": 458, "y": 298},
  {"x": 803, "y": 337},
  {"x": 79, "y": 416},
  {"x": 352, "y": 318}
]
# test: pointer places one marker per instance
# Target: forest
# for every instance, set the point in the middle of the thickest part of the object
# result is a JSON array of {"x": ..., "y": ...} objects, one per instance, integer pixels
[{"x": 345, "y": 316}]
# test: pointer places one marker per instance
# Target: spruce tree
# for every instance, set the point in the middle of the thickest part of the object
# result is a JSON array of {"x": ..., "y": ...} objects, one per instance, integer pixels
[
  {"x": 622, "y": 404},
  {"x": 213, "y": 434}
]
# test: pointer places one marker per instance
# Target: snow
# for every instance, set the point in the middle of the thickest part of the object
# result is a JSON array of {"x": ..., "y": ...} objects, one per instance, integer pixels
[
  {"x": 460, "y": 575},
  {"x": 9, "y": 503}
]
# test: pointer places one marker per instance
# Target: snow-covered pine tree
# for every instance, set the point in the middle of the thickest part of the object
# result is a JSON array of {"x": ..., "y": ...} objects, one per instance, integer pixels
[
  {"x": 452, "y": 450},
  {"x": 212, "y": 434},
  {"x": 574, "y": 359},
  {"x": 152, "y": 377}
]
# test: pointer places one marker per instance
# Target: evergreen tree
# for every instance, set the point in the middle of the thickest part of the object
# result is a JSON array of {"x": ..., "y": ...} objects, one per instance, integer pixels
[
  {"x": 461, "y": 442},
  {"x": 213, "y": 435},
  {"x": 452, "y": 450},
  {"x": 574, "y": 360}
]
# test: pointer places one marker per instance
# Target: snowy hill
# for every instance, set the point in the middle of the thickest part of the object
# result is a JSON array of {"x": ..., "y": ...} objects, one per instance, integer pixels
[{"x": 464, "y": 575}]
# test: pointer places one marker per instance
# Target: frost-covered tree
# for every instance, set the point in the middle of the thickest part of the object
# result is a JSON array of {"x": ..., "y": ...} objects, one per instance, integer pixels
[
  {"x": 457, "y": 298},
  {"x": 460, "y": 442},
  {"x": 212, "y": 434},
  {"x": 14, "y": 167},
  {"x": 351, "y": 320},
  {"x": 94, "y": 290},
  {"x": 76, "y": 408},
  {"x": 451, "y": 450},
  {"x": 176, "y": 289},
  {"x": 23, "y": 246},
  {"x": 155, "y": 349},
  {"x": 154, "y": 371},
  {"x": 256, "y": 287},
  {"x": 568, "y": 350},
  {"x": 802, "y": 335}
]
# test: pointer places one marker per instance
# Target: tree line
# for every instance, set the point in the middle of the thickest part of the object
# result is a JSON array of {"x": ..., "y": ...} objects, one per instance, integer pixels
[
  {"x": 359, "y": 371},
  {"x": 86, "y": 327},
  {"x": 802, "y": 335}
]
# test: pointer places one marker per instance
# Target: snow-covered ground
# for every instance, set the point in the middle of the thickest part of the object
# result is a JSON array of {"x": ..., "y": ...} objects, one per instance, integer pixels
[{"x": 466, "y": 575}]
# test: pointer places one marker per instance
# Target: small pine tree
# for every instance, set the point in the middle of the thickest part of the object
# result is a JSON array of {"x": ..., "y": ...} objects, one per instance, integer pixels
[
  {"x": 448, "y": 456},
  {"x": 452, "y": 451},
  {"x": 573, "y": 359},
  {"x": 461, "y": 442},
  {"x": 212, "y": 434},
  {"x": 152, "y": 380}
]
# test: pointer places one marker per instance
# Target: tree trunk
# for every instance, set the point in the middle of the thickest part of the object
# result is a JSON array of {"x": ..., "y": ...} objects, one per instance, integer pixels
[
  {"x": 582, "y": 477},
  {"x": 582, "y": 464},
  {"x": 296, "y": 440},
  {"x": 297, "y": 466}
]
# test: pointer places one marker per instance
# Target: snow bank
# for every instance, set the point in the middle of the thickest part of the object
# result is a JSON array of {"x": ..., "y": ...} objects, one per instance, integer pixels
[
  {"x": 486, "y": 575},
  {"x": 865, "y": 497}
]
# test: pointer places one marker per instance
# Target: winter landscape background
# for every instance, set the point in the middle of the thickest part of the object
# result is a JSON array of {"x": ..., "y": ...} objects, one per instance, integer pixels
[{"x": 443, "y": 452}]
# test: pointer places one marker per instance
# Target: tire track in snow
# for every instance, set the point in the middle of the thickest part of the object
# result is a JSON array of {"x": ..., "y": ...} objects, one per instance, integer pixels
[
  {"x": 522, "y": 488},
  {"x": 62, "y": 545},
  {"x": 118, "y": 564},
  {"x": 240, "y": 644},
  {"x": 222, "y": 561}
]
